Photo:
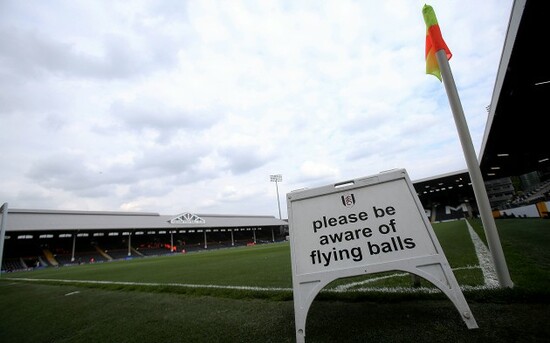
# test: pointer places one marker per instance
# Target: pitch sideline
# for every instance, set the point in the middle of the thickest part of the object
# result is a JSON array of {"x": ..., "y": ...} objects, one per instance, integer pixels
[{"x": 484, "y": 257}]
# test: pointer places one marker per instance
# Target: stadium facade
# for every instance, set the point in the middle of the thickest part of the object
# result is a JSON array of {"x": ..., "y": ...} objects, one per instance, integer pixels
[{"x": 36, "y": 238}]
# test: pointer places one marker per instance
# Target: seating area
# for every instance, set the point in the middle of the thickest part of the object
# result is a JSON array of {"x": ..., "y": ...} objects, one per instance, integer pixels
[
  {"x": 12, "y": 264},
  {"x": 538, "y": 194},
  {"x": 57, "y": 249}
]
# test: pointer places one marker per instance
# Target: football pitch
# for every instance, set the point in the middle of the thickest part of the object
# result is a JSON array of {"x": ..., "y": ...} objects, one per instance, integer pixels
[{"x": 245, "y": 295}]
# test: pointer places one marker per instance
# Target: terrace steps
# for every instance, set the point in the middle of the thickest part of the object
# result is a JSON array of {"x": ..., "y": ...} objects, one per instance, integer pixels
[
  {"x": 103, "y": 253},
  {"x": 51, "y": 259}
]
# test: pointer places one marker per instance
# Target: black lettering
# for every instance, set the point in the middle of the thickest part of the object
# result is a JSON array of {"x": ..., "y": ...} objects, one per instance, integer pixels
[
  {"x": 325, "y": 222},
  {"x": 392, "y": 224},
  {"x": 357, "y": 254},
  {"x": 384, "y": 229},
  {"x": 317, "y": 225},
  {"x": 342, "y": 253},
  {"x": 386, "y": 247},
  {"x": 315, "y": 256},
  {"x": 373, "y": 248},
  {"x": 336, "y": 237},
  {"x": 367, "y": 232},
  {"x": 378, "y": 212},
  {"x": 409, "y": 243},
  {"x": 399, "y": 242},
  {"x": 326, "y": 257},
  {"x": 342, "y": 220}
]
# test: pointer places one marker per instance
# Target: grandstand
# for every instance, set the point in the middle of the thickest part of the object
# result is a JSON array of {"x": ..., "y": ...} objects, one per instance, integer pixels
[
  {"x": 41, "y": 238},
  {"x": 450, "y": 196}
]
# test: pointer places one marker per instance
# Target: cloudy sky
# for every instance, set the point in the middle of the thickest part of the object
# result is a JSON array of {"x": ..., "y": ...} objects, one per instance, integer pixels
[{"x": 189, "y": 106}]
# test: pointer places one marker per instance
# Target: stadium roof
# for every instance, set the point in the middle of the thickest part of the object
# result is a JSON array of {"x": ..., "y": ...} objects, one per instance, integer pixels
[
  {"x": 450, "y": 187},
  {"x": 515, "y": 140},
  {"x": 44, "y": 220},
  {"x": 516, "y": 137}
]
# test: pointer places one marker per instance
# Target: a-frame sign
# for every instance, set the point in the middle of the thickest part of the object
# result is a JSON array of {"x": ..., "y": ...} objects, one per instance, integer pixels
[{"x": 363, "y": 226}]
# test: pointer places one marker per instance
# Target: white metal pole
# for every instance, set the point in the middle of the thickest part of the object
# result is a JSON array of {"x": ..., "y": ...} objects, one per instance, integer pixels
[
  {"x": 475, "y": 172},
  {"x": 277, "y": 178},
  {"x": 129, "y": 243},
  {"x": 3, "y": 231},
  {"x": 74, "y": 247},
  {"x": 278, "y": 201}
]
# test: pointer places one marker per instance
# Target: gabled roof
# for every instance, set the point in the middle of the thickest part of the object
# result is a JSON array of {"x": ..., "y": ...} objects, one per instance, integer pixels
[
  {"x": 52, "y": 220},
  {"x": 187, "y": 218}
]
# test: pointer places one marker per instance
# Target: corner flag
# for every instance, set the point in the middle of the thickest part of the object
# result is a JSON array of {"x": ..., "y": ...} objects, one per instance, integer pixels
[
  {"x": 438, "y": 49},
  {"x": 434, "y": 42}
]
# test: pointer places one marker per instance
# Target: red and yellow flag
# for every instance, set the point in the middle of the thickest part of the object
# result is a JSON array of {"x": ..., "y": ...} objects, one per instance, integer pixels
[{"x": 434, "y": 42}]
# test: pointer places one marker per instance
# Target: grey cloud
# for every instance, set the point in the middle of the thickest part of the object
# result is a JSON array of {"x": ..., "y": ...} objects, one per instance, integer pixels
[
  {"x": 149, "y": 189},
  {"x": 54, "y": 121},
  {"x": 21, "y": 93},
  {"x": 167, "y": 120},
  {"x": 176, "y": 10},
  {"x": 34, "y": 197},
  {"x": 67, "y": 178},
  {"x": 243, "y": 159},
  {"x": 389, "y": 147},
  {"x": 33, "y": 54},
  {"x": 70, "y": 173},
  {"x": 153, "y": 173},
  {"x": 168, "y": 161}
]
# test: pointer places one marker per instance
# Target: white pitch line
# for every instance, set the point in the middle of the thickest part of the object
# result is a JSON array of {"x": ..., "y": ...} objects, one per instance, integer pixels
[
  {"x": 154, "y": 284},
  {"x": 485, "y": 259},
  {"x": 347, "y": 286},
  {"x": 407, "y": 290},
  {"x": 260, "y": 289},
  {"x": 374, "y": 279}
]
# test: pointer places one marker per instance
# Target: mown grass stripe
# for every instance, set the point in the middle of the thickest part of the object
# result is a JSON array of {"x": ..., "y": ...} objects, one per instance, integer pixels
[{"x": 152, "y": 284}]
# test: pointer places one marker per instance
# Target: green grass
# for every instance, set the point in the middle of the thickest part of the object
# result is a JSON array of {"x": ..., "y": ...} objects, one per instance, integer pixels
[
  {"x": 526, "y": 244},
  {"x": 259, "y": 266},
  {"x": 78, "y": 312}
]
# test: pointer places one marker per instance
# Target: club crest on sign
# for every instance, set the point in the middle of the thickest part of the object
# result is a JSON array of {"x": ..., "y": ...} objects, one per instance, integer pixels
[{"x": 348, "y": 199}]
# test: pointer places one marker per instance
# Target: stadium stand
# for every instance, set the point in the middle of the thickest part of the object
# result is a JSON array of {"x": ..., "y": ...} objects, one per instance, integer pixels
[{"x": 38, "y": 238}]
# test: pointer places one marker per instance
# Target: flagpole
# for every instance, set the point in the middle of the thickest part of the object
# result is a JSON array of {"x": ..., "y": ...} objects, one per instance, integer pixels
[
  {"x": 3, "y": 221},
  {"x": 478, "y": 184}
]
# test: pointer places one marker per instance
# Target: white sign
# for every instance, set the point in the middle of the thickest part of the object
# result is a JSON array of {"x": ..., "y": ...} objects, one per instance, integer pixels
[{"x": 363, "y": 226}]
